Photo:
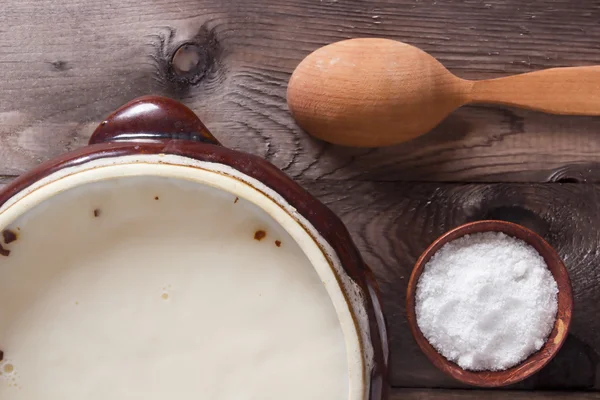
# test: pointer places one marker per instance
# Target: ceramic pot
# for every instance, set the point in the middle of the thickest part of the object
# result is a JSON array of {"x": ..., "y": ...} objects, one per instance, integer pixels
[{"x": 156, "y": 263}]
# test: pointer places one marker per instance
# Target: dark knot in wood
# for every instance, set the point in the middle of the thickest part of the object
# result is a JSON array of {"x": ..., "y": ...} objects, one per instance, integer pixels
[
  {"x": 189, "y": 62},
  {"x": 181, "y": 65}
]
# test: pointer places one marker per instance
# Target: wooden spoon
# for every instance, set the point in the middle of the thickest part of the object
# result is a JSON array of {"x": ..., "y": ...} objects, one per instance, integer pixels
[{"x": 376, "y": 92}]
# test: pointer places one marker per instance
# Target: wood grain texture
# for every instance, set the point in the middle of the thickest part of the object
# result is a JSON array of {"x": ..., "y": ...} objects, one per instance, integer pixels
[
  {"x": 438, "y": 394},
  {"x": 66, "y": 64}
]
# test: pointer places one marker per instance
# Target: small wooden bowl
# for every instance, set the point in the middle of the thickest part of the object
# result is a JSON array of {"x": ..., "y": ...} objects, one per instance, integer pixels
[{"x": 535, "y": 361}]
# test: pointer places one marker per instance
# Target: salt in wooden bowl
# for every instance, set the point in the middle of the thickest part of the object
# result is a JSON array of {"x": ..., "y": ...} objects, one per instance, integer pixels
[{"x": 535, "y": 361}]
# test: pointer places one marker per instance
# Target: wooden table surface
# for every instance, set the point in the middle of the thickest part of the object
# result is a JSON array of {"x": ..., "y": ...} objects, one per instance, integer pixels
[{"x": 65, "y": 64}]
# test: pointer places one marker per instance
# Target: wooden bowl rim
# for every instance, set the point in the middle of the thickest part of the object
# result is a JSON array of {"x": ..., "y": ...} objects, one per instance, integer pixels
[{"x": 535, "y": 361}]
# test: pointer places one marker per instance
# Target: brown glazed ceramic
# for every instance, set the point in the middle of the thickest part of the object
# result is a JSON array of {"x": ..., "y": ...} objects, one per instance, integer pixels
[
  {"x": 533, "y": 363},
  {"x": 155, "y": 125}
]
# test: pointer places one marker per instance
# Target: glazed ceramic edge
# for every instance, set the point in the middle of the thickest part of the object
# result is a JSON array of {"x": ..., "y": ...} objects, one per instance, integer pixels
[{"x": 192, "y": 145}]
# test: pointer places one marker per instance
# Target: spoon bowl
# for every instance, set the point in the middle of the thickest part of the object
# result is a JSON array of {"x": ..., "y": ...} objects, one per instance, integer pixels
[{"x": 343, "y": 95}]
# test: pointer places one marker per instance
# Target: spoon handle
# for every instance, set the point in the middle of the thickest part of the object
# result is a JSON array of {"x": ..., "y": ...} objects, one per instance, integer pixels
[{"x": 569, "y": 91}]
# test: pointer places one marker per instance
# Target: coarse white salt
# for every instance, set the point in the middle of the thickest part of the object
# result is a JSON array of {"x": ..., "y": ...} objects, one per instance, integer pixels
[{"x": 486, "y": 301}]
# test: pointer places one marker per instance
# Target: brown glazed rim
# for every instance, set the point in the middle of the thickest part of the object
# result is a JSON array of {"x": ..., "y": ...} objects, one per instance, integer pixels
[
  {"x": 159, "y": 125},
  {"x": 534, "y": 362}
]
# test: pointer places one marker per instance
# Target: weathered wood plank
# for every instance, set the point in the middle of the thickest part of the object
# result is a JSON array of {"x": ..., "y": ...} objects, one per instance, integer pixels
[
  {"x": 439, "y": 394},
  {"x": 392, "y": 223},
  {"x": 67, "y": 64}
]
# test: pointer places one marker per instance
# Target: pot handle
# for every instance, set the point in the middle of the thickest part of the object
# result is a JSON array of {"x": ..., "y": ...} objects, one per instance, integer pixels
[{"x": 150, "y": 119}]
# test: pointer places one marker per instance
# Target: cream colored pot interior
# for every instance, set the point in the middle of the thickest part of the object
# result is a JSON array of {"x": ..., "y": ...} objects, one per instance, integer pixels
[{"x": 161, "y": 277}]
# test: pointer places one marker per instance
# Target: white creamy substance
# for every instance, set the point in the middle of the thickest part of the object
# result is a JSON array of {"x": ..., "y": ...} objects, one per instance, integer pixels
[{"x": 163, "y": 299}]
